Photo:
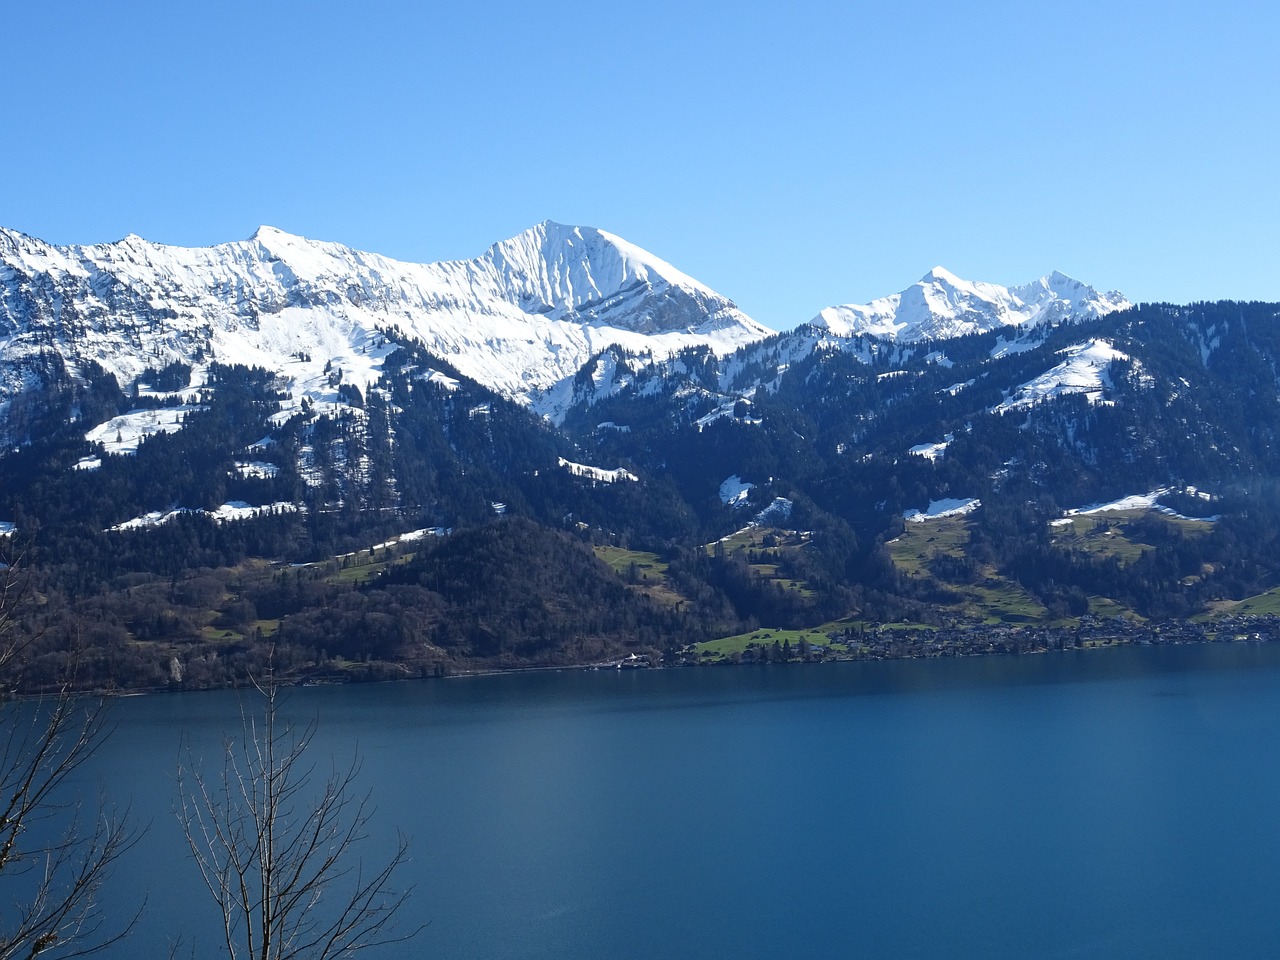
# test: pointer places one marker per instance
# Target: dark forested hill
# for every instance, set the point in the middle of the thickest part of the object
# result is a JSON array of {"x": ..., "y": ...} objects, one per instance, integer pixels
[{"x": 173, "y": 529}]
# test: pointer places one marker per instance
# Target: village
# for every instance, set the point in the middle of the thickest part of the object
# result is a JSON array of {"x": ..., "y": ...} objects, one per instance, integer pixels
[{"x": 969, "y": 639}]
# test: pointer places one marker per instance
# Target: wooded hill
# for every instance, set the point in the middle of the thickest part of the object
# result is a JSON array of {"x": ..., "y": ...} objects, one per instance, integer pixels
[{"x": 522, "y": 562}]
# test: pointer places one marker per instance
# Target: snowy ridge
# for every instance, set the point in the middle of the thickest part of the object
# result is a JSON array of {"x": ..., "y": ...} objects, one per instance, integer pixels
[
  {"x": 524, "y": 315},
  {"x": 1084, "y": 370},
  {"x": 942, "y": 305}
]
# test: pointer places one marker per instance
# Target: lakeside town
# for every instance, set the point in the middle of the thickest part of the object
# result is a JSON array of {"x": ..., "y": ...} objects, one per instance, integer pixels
[{"x": 970, "y": 639}]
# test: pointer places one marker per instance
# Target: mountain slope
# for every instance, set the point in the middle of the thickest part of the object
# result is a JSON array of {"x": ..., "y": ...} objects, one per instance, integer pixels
[
  {"x": 941, "y": 307},
  {"x": 528, "y": 312}
]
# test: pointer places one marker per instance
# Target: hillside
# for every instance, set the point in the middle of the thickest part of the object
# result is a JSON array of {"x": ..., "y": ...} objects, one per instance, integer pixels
[{"x": 188, "y": 485}]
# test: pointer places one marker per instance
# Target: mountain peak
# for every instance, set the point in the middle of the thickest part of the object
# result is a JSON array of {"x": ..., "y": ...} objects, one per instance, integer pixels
[
  {"x": 941, "y": 275},
  {"x": 943, "y": 305},
  {"x": 521, "y": 317},
  {"x": 267, "y": 232}
]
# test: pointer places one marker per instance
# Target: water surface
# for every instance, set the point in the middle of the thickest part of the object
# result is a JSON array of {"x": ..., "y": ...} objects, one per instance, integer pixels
[{"x": 1101, "y": 804}]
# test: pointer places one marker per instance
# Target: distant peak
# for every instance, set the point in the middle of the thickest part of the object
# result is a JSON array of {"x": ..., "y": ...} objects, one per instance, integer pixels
[
  {"x": 548, "y": 233},
  {"x": 267, "y": 232},
  {"x": 940, "y": 274}
]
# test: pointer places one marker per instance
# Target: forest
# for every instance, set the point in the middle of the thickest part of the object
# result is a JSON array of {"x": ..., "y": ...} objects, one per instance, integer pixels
[{"x": 426, "y": 526}]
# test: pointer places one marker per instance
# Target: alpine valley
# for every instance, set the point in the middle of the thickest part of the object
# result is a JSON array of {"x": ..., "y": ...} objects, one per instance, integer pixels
[{"x": 566, "y": 451}]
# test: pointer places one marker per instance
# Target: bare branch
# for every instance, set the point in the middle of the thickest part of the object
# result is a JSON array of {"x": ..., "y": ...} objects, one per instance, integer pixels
[
  {"x": 55, "y": 855},
  {"x": 278, "y": 848}
]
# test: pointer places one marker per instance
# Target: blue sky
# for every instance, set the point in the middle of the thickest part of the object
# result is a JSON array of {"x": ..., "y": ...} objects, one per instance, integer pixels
[{"x": 790, "y": 157}]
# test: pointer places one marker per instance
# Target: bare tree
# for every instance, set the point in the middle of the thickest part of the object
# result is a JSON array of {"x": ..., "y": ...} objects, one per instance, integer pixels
[
  {"x": 54, "y": 857},
  {"x": 277, "y": 848}
]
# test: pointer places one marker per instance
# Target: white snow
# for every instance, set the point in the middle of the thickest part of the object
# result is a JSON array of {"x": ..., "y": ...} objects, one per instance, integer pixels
[
  {"x": 776, "y": 512},
  {"x": 1137, "y": 501},
  {"x": 257, "y": 469},
  {"x": 734, "y": 491},
  {"x": 233, "y": 510},
  {"x": 122, "y": 434},
  {"x": 932, "y": 451},
  {"x": 441, "y": 379},
  {"x": 1084, "y": 370},
  {"x": 519, "y": 318},
  {"x": 413, "y": 536},
  {"x": 6, "y": 528},
  {"x": 942, "y": 508},
  {"x": 943, "y": 305},
  {"x": 239, "y": 510},
  {"x": 597, "y": 473},
  {"x": 87, "y": 463}
]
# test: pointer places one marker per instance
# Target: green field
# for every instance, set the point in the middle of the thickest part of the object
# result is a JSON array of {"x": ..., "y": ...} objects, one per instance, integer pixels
[
  {"x": 1260, "y": 605},
  {"x": 771, "y": 543},
  {"x": 918, "y": 542},
  {"x": 358, "y": 568},
  {"x": 728, "y": 646},
  {"x": 992, "y": 599},
  {"x": 1111, "y": 534},
  {"x": 642, "y": 571}
]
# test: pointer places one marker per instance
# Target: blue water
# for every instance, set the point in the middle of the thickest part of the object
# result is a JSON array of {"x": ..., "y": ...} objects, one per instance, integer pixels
[{"x": 1105, "y": 804}]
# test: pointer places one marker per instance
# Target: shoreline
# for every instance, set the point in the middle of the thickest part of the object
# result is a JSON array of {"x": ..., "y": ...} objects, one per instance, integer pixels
[{"x": 882, "y": 643}]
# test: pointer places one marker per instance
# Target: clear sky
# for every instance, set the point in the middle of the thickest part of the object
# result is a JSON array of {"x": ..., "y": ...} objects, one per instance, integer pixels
[{"x": 790, "y": 156}]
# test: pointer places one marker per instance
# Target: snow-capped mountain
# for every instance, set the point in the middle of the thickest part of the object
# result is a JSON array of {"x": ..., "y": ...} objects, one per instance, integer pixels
[
  {"x": 942, "y": 305},
  {"x": 524, "y": 315}
]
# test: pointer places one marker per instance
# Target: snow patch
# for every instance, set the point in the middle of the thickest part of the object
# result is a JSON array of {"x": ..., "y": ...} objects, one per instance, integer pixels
[
  {"x": 734, "y": 491},
  {"x": 441, "y": 379},
  {"x": 932, "y": 451},
  {"x": 233, "y": 510},
  {"x": 1138, "y": 501},
  {"x": 597, "y": 473},
  {"x": 942, "y": 508},
  {"x": 257, "y": 470},
  {"x": 1083, "y": 371},
  {"x": 777, "y": 512},
  {"x": 413, "y": 536},
  {"x": 123, "y": 434}
]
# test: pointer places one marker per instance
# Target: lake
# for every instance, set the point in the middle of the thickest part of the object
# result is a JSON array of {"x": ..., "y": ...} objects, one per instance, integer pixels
[{"x": 1102, "y": 804}]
